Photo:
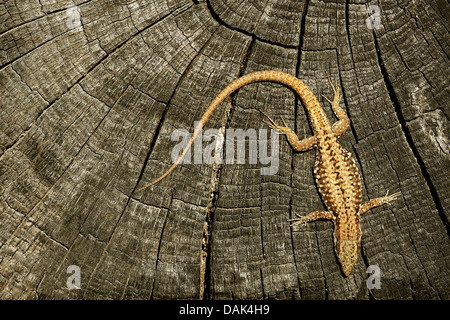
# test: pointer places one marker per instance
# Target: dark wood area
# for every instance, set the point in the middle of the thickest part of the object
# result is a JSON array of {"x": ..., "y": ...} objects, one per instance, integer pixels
[{"x": 91, "y": 94}]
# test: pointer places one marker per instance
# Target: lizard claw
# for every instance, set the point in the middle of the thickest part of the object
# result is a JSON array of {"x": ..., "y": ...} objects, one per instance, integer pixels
[
  {"x": 269, "y": 124},
  {"x": 298, "y": 220},
  {"x": 335, "y": 86},
  {"x": 387, "y": 199},
  {"x": 272, "y": 124},
  {"x": 327, "y": 99},
  {"x": 336, "y": 91}
]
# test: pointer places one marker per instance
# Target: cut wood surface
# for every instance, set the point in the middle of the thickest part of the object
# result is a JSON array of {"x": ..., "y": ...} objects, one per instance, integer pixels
[{"x": 91, "y": 92}]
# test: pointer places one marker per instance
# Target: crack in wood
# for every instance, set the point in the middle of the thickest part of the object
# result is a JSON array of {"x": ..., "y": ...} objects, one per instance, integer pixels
[
  {"x": 245, "y": 32},
  {"x": 161, "y": 121},
  {"x": 159, "y": 248},
  {"x": 44, "y": 15},
  {"x": 417, "y": 245},
  {"x": 205, "y": 252},
  {"x": 409, "y": 138}
]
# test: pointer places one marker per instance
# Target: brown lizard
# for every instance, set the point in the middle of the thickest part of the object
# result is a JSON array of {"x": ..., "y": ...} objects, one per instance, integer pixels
[{"x": 335, "y": 171}]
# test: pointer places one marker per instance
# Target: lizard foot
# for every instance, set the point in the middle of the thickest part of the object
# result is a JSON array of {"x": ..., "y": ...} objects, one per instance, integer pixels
[
  {"x": 272, "y": 124},
  {"x": 298, "y": 220},
  {"x": 387, "y": 199},
  {"x": 313, "y": 216}
]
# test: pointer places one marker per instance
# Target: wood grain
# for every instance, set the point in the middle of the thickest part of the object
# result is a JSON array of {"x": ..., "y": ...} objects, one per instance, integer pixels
[{"x": 86, "y": 116}]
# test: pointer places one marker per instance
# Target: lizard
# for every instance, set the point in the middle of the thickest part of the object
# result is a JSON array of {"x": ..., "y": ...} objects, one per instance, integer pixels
[{"x": 336, "y": 174}]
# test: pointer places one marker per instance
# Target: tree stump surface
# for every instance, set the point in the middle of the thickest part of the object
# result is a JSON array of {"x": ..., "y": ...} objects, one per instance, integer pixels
[{"x": 92, "y": 92}]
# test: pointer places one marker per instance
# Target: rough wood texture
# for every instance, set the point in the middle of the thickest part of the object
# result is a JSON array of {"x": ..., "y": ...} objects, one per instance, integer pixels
[{"x": 91, "y": 94}]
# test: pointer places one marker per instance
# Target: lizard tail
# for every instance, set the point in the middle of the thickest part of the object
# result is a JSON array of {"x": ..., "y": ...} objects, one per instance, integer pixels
[
  {"x": 275, "y": 76},
  {"x": 214, "y": 104},
  {"x": 185, "y": 150}
]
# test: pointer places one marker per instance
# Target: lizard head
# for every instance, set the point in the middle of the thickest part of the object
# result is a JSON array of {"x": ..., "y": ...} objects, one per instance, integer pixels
[{"x": 347, "y": 252}]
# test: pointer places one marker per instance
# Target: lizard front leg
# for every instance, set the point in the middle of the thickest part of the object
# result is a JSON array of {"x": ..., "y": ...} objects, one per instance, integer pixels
[
  {"x": 378, "y": 202},
  {"x": 294, "y": 141},
  {"x": 343, "y": 123},
  {"x": 316, "y": 215}
]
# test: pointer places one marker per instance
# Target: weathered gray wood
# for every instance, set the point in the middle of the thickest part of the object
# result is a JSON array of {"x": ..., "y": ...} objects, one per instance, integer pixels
[{"x": 88, "y": 107}]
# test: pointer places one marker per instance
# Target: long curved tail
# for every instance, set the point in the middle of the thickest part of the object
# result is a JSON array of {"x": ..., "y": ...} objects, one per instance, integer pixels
[{"x": 316, "y": 114}]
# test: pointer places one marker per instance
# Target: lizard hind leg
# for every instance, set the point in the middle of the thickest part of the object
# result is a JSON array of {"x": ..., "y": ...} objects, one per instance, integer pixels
[
  {"x": 378, "y": 202},
  {"x": 294, "y": 141},
  {"x": 313, "y": 216}
]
